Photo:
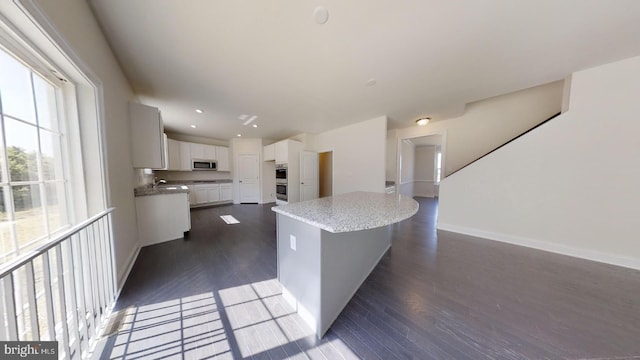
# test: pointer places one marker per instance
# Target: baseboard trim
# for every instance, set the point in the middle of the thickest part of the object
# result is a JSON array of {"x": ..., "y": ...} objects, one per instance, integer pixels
[
  {"x": 545, "y": 246},
  {"x": 122, "y": 277}
]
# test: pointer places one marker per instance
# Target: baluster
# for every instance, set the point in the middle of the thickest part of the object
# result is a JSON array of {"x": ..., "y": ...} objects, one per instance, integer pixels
[
  {"x": 100, "y": 264},
  {"x": 48, "y": 296},
  {"x": 31, "y": 294},
  {"x": 63, "y": 303},
  {"x": 95, "y": 294},
  {"x": 76, "y": 252},
  {"x": 75, "y": 327},
  {"x": 10, "y": 308},
  {"x": 112, "y": 271}
]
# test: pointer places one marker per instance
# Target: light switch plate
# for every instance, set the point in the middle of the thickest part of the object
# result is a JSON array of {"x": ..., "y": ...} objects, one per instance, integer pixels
[{"x": 292, "y": 241}]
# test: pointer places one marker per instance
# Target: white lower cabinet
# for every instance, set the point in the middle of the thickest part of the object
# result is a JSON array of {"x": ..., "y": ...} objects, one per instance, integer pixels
[
  {"x": 203, "y": 194},
  {"x": 226, "y": 193},
  {"x": 162, "y": 217}
]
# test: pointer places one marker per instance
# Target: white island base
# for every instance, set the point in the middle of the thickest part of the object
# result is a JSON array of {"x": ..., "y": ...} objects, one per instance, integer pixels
[
  {"x": 319, "y": 287},
  {"x": 327, "y": 248}
]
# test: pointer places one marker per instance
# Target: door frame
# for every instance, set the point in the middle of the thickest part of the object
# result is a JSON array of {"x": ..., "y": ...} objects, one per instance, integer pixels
[
  {"x": 443, "y": 151},
  {"x": 237, "y": 176}
]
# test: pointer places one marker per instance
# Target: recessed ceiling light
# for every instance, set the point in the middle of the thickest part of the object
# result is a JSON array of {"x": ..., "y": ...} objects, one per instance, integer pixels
[
  {"x": 243, "y": 117},
  {"x": 423, "y": 121},
  {"x": 199, "y": 111},
  {"x": 255, "y": 125},
  {"x": 239, "y": 135},
  {"x": 193, "y": 126},
  {"x": 370, "y": 82}
]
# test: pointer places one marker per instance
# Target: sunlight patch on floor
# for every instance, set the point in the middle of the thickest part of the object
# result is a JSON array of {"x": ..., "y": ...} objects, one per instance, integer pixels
[
  {"x": 261, "y": 320},
  {"x": 185, "y": 328},
  {"x": 229, "y": 219},
  {"x": 250, "y": 320}
]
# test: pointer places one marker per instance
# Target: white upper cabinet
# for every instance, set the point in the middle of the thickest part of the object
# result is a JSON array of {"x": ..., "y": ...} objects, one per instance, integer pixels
[
  {"x": 282, "y": 152},
  {"x": 222, "y": 156},
  {"x": 269, "y": 153},
  {"x": 147, "y": 137},
  {"x": 182, "y": 153},
  {"x": 173, "y": 147},
  {"x": 185, "y": 156},
  {"x": 210, "y": 152},
  {"x": 203, "y": 151},
  {"x": 287, "y": 151},
  {"x": 197, "y": 151}
]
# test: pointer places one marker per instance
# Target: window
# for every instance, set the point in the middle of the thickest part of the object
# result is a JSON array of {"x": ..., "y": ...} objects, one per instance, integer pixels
[
  {"x": 438, "y": 165},
  {"x": 33, "y": 185}
]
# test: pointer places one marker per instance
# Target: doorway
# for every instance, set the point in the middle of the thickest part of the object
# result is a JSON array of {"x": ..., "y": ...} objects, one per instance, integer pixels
[
  {"x": 421, "y": 165},
  {"x": 325, "y": 174},
  {"x": 249, "y": 178}
]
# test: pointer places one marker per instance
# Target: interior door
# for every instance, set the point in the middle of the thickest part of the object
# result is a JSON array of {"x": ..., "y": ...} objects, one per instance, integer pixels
[
  {"x": 308, "y": 175},
  {"x": 248, "y": 174}
]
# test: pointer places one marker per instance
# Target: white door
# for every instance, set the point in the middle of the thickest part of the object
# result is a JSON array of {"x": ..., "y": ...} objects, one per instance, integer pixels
[
  {"x": 308, "y": 175},
  {"x": 248, "y": 174}
]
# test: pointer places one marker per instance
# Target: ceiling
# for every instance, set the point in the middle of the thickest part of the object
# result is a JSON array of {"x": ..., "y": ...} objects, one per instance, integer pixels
[{"x": 427, "y": 57}]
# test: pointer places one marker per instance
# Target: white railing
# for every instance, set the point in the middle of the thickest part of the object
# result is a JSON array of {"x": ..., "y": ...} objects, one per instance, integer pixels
[{"x": 63, "y": 291}]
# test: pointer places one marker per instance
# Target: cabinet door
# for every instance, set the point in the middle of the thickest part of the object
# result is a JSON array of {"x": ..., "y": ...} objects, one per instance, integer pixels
[
  {"x": 173, "y": 150},
  {"x": 223, "y": 158},
  {"x": 209, "y": 152},
  {"x": 147, "y": 137},
  {"x": 282, "y": 155},
  {"x": 185, "y": 156},
  {"x": 269, "y": 153},
  {"x": 213, "y": 193},
  {"x": 226, "y": 192},
  {"x": 197, "y": 151},
  {"x": 201, "y": 195}
]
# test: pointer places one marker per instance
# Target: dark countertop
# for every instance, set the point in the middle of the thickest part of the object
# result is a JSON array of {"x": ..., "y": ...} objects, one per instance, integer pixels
[
  {"x": 161, "y": 190},
  {"x": 195, "y": 182}
]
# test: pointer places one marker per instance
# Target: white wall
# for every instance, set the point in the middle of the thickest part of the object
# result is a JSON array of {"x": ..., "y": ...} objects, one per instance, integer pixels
[
  {"x": 392, "y": 152},
  {"x": 359, "y": 152},
  {"x": 407, "y": 167},
  {"x": 572, "y": 185},
  {"x": 489, "y": 123},
  {"x": 424, "y": 180},
  {"x": 75, "y": 22}
]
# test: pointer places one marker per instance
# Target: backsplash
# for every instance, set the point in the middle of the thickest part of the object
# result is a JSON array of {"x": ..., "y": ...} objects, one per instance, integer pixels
[
  {"x": 191, "y": 175},
  {"x": 143, "y": 177}
]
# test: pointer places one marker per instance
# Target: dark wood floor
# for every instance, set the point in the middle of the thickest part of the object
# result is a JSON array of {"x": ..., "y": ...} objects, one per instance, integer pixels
[{"x": 434, "y": 295}]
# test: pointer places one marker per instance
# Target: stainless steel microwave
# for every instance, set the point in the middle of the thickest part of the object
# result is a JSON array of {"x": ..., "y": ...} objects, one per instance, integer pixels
[{"x": 198, "y": 164}]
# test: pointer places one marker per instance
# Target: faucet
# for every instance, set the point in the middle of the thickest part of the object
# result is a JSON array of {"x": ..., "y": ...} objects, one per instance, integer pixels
[{"x": 157, "y": 182}]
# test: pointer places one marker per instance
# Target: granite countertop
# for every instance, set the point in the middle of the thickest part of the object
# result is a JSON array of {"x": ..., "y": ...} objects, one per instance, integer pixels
[
  {"x": 351, "y": 212},
  {"x": 161, "y": 190}
]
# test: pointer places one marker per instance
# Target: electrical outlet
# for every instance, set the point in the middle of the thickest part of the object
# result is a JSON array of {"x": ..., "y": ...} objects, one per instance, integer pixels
[{"x": 292, "y": 241}]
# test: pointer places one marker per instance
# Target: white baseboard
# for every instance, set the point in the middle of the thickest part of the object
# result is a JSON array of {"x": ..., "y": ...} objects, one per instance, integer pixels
[
  {"x": 546, "y": 246},
  {"x": 122, "y": 277}
]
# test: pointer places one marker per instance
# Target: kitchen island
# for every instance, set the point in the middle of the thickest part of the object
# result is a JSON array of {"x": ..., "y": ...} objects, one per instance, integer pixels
[
  {"x": 162, "y": 213},
  {"x": 327, "y": 247}
]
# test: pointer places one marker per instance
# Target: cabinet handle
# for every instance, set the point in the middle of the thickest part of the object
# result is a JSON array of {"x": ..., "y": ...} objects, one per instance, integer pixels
[{"x": 302, "y": 183}]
